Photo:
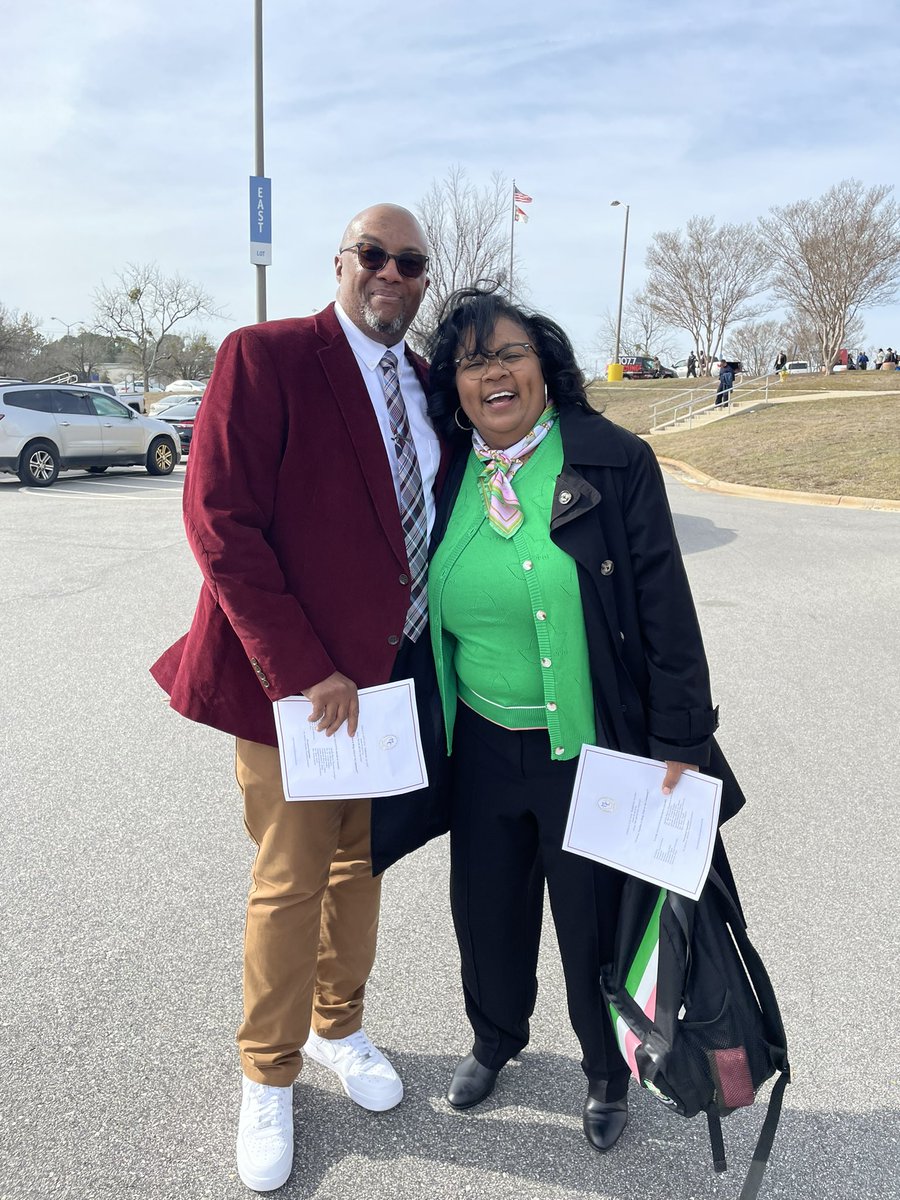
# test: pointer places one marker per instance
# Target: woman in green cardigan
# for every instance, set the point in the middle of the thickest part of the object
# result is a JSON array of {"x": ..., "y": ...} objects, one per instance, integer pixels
[{"x": 528, "y": 672}]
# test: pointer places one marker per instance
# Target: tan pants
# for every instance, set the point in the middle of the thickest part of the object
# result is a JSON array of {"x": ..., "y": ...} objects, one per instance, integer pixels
[{"x": 312, "y": 919}]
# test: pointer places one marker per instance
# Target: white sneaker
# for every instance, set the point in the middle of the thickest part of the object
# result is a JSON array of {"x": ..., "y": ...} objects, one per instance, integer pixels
[
  {"x": 265, "y": 1140},
  {"x": 365, "y": 1074}
]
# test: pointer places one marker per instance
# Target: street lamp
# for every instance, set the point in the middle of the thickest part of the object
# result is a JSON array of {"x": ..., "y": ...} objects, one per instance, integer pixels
[
  {"x": 68, "y": 324},
  {"x": 614, "y": 204}
]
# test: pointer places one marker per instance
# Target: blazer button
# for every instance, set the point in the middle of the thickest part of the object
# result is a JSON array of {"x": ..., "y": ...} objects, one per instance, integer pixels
[
  {"x": 607, "y": 567},
  {"x": 565, "y": 497},
  {"x": 393, "y": 640},
  {"x": 404, "y": 579}
]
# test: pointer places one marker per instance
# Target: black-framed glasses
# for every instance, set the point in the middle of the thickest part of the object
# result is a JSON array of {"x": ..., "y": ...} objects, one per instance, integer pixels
[
  {"x": 510, "y": 357},
  {"x": 375, "y": 258}
]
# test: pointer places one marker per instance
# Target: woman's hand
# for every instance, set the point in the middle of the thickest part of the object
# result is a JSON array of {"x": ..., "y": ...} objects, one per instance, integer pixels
[
  {"x": 334, "y": 700},
  {"x": 674, "y": 771}
]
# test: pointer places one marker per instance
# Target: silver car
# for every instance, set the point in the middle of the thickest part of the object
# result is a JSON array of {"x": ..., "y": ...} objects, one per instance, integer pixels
[{"x": 46, "y": 429}]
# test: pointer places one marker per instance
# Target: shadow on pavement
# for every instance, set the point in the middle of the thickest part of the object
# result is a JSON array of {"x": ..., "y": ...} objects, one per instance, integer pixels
[
  {"x": 530, "y": 1130},
  {"x": 696, "y": 534}
]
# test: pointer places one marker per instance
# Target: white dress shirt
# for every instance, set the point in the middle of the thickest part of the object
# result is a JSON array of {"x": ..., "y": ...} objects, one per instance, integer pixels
[{"x": 369, "y": 354}]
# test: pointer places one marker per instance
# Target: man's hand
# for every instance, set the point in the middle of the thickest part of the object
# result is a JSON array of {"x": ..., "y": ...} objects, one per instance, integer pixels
[
  {"x": 334, "y": 700},
  {"x": 674, "y": 771}
]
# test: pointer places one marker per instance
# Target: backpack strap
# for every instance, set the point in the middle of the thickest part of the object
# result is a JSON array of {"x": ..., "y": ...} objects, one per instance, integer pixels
[
  {"x": 763, "y": 1149},
  {"x": 716, "y": 1141}
]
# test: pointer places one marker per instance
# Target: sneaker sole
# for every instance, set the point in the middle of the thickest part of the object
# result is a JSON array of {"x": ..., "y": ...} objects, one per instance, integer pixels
[{"x": 381, "y": 1104}]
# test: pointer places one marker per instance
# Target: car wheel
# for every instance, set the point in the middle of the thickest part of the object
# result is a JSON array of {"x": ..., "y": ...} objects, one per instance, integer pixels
[
  {"x": 39, "y": 464},
  {"x": 161, "y": 457},
  {"x": 96, "y": 470}
]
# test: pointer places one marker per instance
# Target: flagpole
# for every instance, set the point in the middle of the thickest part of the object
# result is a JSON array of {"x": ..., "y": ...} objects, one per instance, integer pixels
[{"x": 512, "y": 235}]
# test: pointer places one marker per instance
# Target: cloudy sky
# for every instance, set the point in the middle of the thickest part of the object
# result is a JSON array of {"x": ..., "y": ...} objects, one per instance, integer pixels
[{"x": 126, "y": 133}]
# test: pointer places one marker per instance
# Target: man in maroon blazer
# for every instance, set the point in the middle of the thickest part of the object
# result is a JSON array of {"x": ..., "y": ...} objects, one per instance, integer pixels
[{"x": 308, "y": 502}]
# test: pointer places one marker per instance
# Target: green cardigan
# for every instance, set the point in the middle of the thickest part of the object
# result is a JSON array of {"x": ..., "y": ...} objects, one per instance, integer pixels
[{"x": 507, "y": 625}]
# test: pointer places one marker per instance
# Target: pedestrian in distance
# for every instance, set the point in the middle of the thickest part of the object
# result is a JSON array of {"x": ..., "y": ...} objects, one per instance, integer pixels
[
  {"x": 726, "y": 383},
  {"x": 780, "y": 361},
  {"x": 704, "y": 363},
  {"x": 560, "y": 615},
  {"x": 308, "y": 503},
  {"x": 862, "y": 361},
  {"x": 692, "y": 366},
  {"x": 879, "y": 359}
]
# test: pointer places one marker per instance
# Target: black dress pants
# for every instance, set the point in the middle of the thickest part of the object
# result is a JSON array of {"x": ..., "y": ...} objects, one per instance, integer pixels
[{"x": 509, "y": 808}]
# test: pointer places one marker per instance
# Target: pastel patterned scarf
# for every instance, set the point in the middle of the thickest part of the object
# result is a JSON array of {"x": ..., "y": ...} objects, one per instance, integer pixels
[{"x": 500, "y": 501}]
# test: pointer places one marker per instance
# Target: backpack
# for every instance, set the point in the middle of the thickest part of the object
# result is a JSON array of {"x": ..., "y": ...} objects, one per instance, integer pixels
[{"x": 693, "y": 1009}]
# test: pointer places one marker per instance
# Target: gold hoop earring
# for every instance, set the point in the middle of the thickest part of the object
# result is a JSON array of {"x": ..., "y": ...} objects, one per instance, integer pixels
[{"x": 459, "y": 424}]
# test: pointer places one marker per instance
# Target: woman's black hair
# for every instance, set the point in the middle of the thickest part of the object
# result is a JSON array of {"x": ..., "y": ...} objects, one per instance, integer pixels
[{"x": 468, "y": 318}]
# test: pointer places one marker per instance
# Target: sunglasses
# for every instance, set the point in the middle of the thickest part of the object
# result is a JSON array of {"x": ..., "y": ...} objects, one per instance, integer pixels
[{"x": 375, "y": 258}]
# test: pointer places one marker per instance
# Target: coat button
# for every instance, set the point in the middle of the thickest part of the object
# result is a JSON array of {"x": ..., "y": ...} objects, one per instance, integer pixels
[
  {"x": 546, "y": 662},
  {"x": 565, "y": 497},
  {"x": 541, "y": 615},
  {"x": 393, "y": 640},
  {"x": 607, "y": 567},
  {"x": 404, "y": 579},
  {"x": 551, "y": 707}
]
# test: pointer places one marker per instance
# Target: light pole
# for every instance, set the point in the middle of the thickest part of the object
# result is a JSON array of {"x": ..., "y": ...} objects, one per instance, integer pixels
[
  {"x": 68, "y": 324},
  {"x": 614, "y": 204}
]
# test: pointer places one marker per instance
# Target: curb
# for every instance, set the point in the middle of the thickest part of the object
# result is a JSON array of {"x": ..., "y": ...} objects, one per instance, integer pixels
[{"x": 701, "y": 481}]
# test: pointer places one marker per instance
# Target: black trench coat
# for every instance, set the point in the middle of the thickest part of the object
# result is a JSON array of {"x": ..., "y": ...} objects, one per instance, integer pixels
[{"x": 651, "y": 681}]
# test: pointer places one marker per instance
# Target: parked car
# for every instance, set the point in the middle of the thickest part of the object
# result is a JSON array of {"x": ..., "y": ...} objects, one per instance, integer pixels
[
  {"x": 641, "y": 366},
  {"x": 181, "y": 418},
  {"x": 45, "y": 430},
  {"x": 186, "y": 386},
  {"x": 109, "y": 389},
  {"x": 798, "y": 366},
  {"x": 164, "y": 402}
]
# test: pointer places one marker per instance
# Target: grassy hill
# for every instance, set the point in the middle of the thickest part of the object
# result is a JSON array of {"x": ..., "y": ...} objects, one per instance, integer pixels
[{"x": 846, "y": 442}]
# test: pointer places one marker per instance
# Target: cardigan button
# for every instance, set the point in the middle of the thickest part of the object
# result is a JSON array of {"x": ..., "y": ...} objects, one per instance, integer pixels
[
  {"x": 551, "y": 707},
  {"x": 607, "y": 566},
  {"x": 527, "y": 564},
  {"x": 546, "y": 662},
  {"x": 541, "y": 615},
  {"x": 559, "y": 750}
]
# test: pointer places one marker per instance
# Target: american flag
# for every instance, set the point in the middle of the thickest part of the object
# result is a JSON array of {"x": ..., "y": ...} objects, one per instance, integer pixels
[
  {"x": 521, "y": 214},
  {"x": 521, "y": 198}
]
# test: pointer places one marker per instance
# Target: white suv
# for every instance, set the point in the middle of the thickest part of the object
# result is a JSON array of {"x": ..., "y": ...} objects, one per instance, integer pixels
[{"x": 46, "y": 429}]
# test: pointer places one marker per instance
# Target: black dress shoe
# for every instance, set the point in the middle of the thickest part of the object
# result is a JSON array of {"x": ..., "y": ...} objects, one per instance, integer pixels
[
  {"x": 471, "y": 1083},
  {"x": 604, "y": 1123}
]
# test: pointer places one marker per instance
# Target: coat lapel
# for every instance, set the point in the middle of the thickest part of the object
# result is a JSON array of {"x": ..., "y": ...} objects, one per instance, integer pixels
[{"x": 352, "y": 398}]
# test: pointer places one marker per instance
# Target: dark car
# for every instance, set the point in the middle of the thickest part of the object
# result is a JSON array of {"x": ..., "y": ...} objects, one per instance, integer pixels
[
  {"x": 181, "y": 417},
  {"x": 644, "y": 366}
]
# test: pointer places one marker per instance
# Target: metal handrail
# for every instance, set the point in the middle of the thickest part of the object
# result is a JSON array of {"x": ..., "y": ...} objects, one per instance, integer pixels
[
  {"x": 697, "y": 405},
  {"x": 63, "y": 377}
]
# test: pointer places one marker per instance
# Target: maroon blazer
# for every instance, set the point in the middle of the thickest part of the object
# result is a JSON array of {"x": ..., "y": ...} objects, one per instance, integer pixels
[{"x": 290, "y": 511}]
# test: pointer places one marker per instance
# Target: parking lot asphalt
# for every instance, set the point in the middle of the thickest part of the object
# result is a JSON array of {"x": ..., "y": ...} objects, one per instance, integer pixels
[{"x": 126, "y": 872}]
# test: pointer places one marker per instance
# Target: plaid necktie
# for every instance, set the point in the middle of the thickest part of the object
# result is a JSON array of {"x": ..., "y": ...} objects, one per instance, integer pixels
[{"x": 412, "y": 499}]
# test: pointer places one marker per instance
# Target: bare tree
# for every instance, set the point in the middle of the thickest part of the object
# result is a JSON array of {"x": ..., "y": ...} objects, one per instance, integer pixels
[
  {"x": 643, "y": 331},
  {"x": 703, "y": 280},
  {"x": 835, "y": 256},
  {"x": 21, "y": 342},
  {"x": 468, "y": 238},
  {"x": 756, "y": 344},
  {"x": 801, "y": 338},
  {"x": 82, "y": 353},
  {"x": 144, "y": 306}
]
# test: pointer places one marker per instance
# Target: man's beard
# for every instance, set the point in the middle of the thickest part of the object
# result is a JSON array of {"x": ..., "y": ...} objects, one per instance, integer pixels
[{"x": 375, "y": 323}]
